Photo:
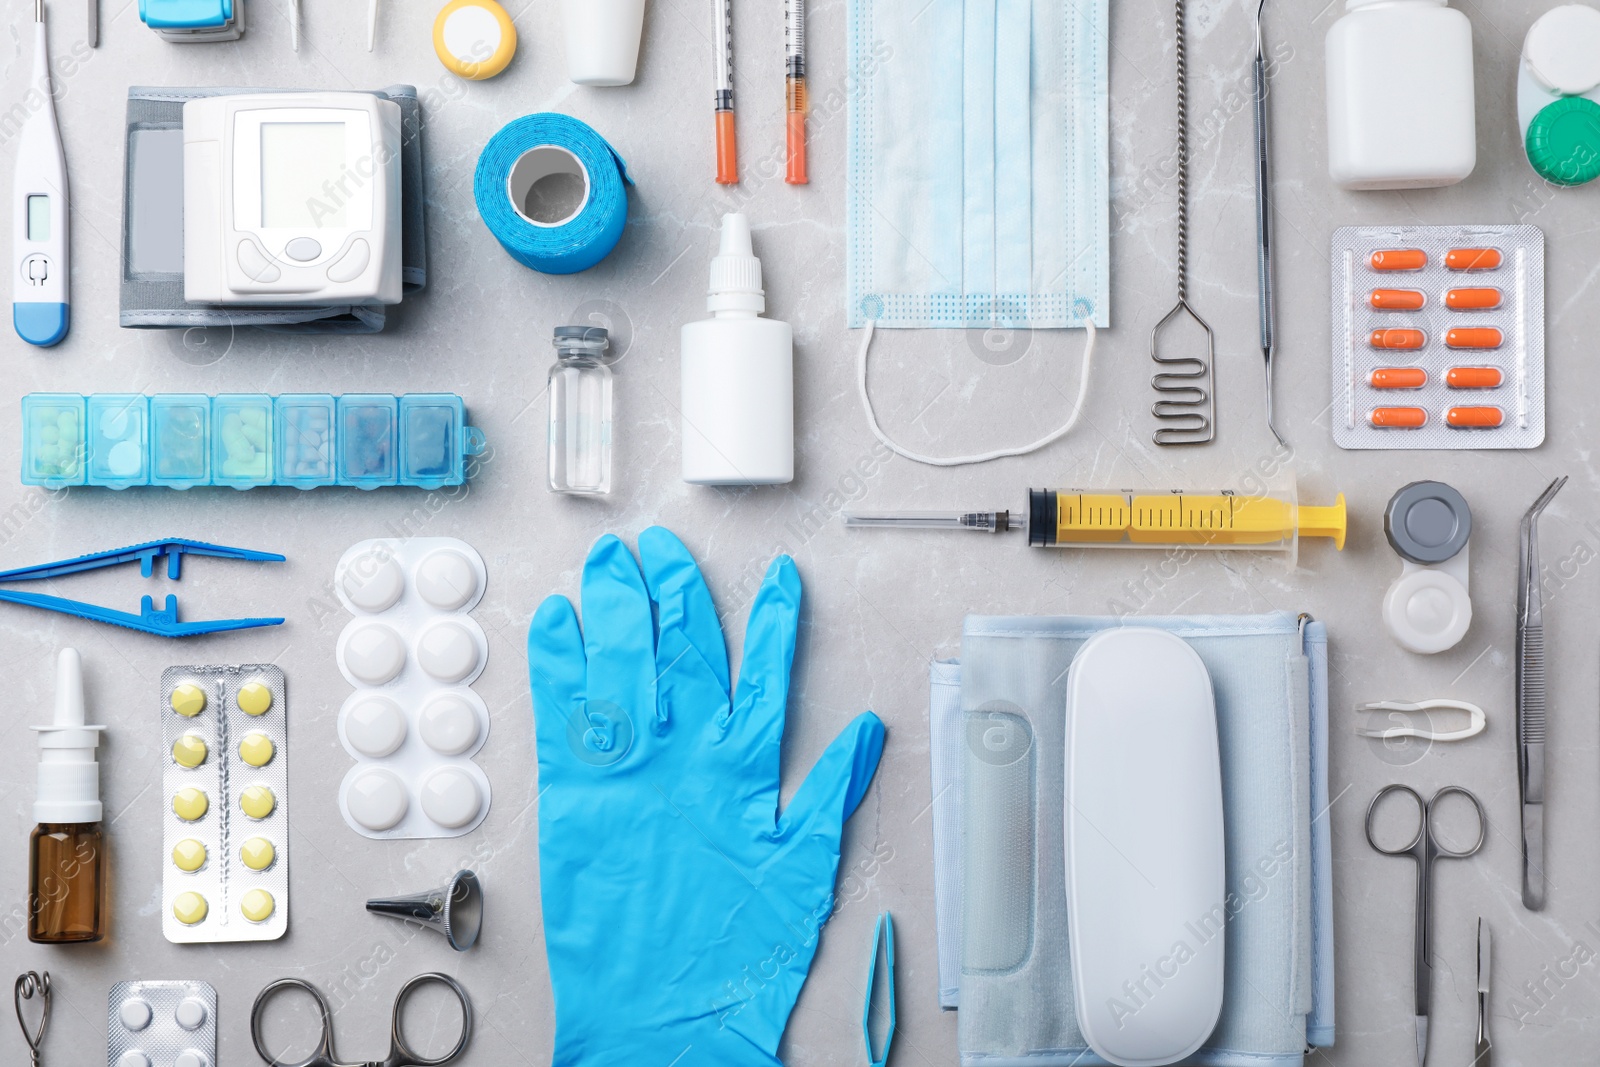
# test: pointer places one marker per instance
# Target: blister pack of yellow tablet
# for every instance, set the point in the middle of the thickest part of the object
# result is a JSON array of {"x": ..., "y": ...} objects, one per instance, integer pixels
[{"x": 225, "y": 836}]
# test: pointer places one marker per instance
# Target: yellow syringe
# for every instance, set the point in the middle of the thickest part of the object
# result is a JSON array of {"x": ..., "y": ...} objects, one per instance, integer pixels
[{"x": 1073, "y": 518}]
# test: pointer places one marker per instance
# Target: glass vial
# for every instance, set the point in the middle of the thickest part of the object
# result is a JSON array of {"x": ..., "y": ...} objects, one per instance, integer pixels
[
  {"x": 580, "y": 411},
  {"x": 66, "y": 883}
]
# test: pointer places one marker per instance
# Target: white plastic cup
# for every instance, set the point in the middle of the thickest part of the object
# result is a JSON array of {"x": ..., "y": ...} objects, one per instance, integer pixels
[{"x": 603, "y": 40}]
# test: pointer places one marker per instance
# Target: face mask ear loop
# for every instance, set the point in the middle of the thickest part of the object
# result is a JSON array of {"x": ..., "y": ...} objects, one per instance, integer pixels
[{"x": 983, "y": 457}]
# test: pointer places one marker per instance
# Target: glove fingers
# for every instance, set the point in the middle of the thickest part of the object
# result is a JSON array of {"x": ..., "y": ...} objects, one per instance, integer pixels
[
  {"x": 835, "y": 786},
  {"x": 762, "y": 699},
  {"x": 691, "y": 658},
  {"x": 556, "y": 670},
  {"x": 618, "y": 636}
]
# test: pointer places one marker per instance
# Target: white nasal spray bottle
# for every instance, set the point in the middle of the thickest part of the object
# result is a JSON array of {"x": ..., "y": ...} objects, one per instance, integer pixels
[{"x": 738, "y": 376}]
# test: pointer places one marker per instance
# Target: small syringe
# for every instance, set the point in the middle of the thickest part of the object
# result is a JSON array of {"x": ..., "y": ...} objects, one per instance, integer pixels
[{"x": 1074, "y": 518}]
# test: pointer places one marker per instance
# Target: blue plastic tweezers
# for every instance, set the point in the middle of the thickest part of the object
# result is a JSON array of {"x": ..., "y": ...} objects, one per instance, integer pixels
[{"x": 163, "y": 623}]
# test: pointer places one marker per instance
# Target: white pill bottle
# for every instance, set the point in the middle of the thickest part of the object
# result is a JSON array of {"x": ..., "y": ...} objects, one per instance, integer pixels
[
  {"x": 738, "y": 376},
  {"x": 1400, "y": 103}
]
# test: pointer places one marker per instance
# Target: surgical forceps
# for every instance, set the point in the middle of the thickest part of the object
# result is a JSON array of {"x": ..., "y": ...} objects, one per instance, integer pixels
[
  {"x": 1424, "y": 848},
  {"x": 1530, "y": 701},
  {"x": 400, "y": 1054}
]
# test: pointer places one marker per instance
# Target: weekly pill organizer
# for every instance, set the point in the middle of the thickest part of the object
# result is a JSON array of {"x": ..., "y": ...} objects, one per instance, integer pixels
[
  {"x": 1438, "y": 337},
  {"x": 245, "y": 440}
]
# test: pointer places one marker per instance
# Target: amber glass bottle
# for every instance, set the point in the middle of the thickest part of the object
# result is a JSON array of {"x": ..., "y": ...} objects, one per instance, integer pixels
[
  {"x": 66, "y": 852},
  {"x": 66, "y": 880}
]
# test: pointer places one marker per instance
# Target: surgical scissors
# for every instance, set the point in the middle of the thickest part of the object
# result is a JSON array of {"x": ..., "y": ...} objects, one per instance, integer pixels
[
  {"x": 1530, "y": 701},
  {"x": 400, "y": 1055},
  {"x": 1424, "y": 848}
]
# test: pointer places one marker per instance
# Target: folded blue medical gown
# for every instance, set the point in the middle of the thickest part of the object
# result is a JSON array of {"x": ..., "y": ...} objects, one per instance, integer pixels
[{"x": 997, "y": 824}]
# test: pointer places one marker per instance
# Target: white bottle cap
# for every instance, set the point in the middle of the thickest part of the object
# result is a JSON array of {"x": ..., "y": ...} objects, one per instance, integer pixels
[
  {"x": 735, "y": 270},
  {"x": 69, "y": 777},
  {"x": 1560, "y": 49}
]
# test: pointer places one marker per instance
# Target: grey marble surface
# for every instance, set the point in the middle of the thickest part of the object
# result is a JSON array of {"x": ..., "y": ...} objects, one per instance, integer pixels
[{"x": 879, "y": 605}]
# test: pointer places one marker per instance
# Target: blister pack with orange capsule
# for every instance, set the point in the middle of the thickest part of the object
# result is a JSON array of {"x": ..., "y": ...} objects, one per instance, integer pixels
[{"x": 1438, "y": 337}]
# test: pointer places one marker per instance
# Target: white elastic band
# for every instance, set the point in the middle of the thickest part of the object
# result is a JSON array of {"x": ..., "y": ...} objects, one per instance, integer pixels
[{"x": 982, "y": 457}]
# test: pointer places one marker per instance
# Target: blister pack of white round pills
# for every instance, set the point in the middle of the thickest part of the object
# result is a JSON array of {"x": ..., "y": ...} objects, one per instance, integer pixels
[
  {"x": 412, "y": 652},
  {"x": 225, "y": 828},
  {"x": 161, "y": 1024}
]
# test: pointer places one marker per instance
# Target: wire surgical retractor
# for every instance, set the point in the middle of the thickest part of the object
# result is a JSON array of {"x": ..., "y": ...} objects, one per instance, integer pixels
[
  {"x": 29, "y": 984},
  {"x": 1187, "y": 405}
]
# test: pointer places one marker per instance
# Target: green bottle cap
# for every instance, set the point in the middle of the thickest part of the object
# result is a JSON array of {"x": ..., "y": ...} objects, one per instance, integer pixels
[{"x": 1563, "y": 141}]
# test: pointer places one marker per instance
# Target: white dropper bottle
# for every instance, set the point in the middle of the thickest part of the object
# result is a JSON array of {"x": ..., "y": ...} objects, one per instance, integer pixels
[{"x": 738, "y": 376}]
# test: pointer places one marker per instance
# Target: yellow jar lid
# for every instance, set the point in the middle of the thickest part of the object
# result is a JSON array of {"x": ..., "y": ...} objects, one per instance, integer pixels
[
  {"x": 188, "y": 700},
  {"x": 189, "y": 855},
  {"x": 257, "y": 801},
  {"x": 474, "y": 38},
  {"x": 189, "y": 907},
  {"x": 257, "y": 905},
  {"x": 254, "y": 698},
  {"x": 190, "y": 803},
  {"x": 256, "y": 748},
  {"x": 257, "y": 853},
  {"x": 189, "y": 750}
]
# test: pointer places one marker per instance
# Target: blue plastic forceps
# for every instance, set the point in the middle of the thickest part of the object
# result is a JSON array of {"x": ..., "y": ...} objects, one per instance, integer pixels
[
  {"x": 882, "y": 945},
  {"x": 1424, "y": 848},
  {"x": 162, "y": 623}
]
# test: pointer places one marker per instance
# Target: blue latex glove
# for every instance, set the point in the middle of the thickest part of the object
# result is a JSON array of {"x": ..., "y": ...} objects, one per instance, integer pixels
[{"x": 681, "y": 910}]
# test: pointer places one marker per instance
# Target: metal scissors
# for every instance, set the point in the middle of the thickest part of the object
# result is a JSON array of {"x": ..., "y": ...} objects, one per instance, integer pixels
[
  {"x": 1424, "y": 848},
  {"x": 399, "y": 1054}
]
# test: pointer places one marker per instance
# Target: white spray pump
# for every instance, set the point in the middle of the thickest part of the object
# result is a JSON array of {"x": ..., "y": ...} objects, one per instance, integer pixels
[
  {"x": 738, "y": 376},
  {"x": 69, "y": 777}
]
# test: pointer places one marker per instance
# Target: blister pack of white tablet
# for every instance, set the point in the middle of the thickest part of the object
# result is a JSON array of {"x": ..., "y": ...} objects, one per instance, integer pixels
[
  {"x": 161, "y": 1024},
  {"x": 412, "y": 652}
]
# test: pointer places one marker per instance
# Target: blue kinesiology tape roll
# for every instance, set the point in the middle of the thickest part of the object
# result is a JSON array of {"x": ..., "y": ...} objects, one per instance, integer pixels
[{"x": 575, "y": 243}]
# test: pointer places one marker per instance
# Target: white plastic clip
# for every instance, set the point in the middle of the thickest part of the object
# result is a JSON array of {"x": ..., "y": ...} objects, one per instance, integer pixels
[{"x": 1398, "y": 708}]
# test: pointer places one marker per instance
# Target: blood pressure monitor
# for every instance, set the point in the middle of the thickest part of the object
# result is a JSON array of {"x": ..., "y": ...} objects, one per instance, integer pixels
[{"x": 291, "y": 198}]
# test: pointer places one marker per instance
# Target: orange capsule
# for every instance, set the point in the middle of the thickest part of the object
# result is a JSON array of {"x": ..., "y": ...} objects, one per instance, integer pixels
[
  {"x": 1392, "y": 339},
  {"x": 1399, "y": 259},
  {"x": 1473, "y": 337},
  {"x": 1484, "y": 418},
  {"x": 1472, "y": 258},
  {"x": 1398, "y": 418},
  {"x": 1397, "y": 299},
  {"x": 1472, "y": 299},
  {"x": 1474, "y": 377},
  {"x": 1398, "y": 378}
]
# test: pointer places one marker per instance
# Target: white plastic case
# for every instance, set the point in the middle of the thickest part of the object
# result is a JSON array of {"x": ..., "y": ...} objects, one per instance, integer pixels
[
  {"x": 412, "y": 652},
  {"x": 1145, "y": 863}
]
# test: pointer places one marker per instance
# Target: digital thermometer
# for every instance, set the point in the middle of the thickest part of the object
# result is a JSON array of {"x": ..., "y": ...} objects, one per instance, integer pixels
[
  {"x": 291, "y": 198},
  {"x": 39, "y": 307}
]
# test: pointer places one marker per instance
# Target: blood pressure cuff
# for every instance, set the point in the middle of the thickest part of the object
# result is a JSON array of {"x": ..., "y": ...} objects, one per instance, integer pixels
[
  {"x": 152, "y": 224},
  {"x": 997, "y": 722}
]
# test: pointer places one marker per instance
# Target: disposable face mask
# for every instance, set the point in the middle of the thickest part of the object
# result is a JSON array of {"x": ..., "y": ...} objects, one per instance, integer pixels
[
  {"x": 978, "y": 164},
  {"x": 978, "y": 172}
]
